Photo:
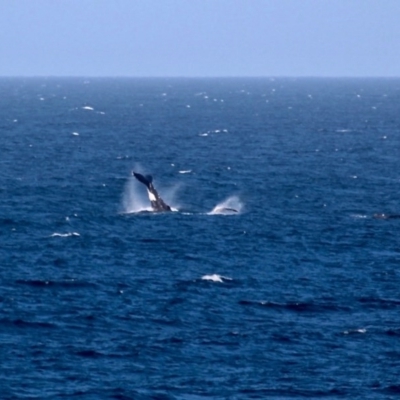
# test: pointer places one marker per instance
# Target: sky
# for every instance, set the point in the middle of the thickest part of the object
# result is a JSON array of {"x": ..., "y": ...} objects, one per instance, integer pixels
[{"x": 200, "y": 38}]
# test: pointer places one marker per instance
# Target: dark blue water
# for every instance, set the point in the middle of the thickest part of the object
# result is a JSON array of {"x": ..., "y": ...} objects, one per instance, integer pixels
[{"x": 297, "y": 296}]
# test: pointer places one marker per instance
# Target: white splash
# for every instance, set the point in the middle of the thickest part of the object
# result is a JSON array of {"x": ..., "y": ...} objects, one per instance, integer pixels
[
  {"x": 134, "y": 199},
  {"x": 231, "y": 206},
  {"x": 88, "y": 108},
  {"x": 169, "y": 196},
  {"x": 215, "y": 278},
  {"x": 55, "y": 234},
  {"x": 187, "y": 171},
  {"x": 75, "y": 133}
]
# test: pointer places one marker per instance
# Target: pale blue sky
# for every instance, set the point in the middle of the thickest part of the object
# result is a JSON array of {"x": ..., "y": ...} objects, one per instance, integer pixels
[{"x": 200, "y": 38}]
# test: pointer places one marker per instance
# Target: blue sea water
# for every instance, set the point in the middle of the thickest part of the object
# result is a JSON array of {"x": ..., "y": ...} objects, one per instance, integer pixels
[{"x": 296, "y": 296}]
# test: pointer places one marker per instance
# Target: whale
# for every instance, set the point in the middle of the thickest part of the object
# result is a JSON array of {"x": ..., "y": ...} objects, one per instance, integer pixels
[{"x": 157, "y": 203}]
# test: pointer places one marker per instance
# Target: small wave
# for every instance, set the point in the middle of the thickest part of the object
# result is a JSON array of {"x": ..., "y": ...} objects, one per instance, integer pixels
[
  {"x": 392, "y": 389},
  {"x": 75, "y": 133},
  {"x": 6, "y": 221},
  {"x": 393, "y": 332},
  {"x": 187, "y": 171},
  {"x": 377, "y": 302},
  {"x": 355, "y": 331},
  {"x": 214, "y": 131},
  {"x": 215, "y": 278},
  {"x": 56, "y": 234},
  {"x": 359, "y": 216},
  {"x": 68, "y": 283},
  {"x": 89, "y": 354},
  {"x": 88, "y": 108},
  {"x": 298, "y": 307},
  {"x": 20, "y": 323}
]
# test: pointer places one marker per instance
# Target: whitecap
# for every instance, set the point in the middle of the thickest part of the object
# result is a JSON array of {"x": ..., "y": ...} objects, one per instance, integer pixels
[
  {"x": 88, "y": 108},
  {"x": 215, "y": 278},
  {"x": 55, "y": 234},
  {"x": 353, "y": 331},
  {"x": 188, "y": 171},
  {"x": 75, "y": 133}
]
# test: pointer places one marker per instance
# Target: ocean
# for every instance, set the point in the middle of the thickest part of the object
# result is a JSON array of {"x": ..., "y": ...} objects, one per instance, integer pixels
[{"x": 295, "y": 296}]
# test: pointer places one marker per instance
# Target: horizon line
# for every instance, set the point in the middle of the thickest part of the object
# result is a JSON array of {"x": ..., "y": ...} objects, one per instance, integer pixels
[{"x": 202, "y": 76}]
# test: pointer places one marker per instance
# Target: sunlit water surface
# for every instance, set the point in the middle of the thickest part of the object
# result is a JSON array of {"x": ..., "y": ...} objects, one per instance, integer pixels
[{"x": 294, "y": 294}]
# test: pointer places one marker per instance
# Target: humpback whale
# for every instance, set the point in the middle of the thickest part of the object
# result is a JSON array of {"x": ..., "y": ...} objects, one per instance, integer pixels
[{"x": 157, "y": 203}]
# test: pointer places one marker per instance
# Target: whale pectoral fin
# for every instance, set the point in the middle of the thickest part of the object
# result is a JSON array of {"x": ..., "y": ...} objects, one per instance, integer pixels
[
  {"x": 156, "y": 201},
  {"x": 142, "y": 179}
]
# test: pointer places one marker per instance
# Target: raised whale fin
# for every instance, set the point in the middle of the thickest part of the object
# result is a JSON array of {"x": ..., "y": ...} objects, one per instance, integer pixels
[
  {"x": 157, "y": 203},
  {"x": 143, "y": 179}
]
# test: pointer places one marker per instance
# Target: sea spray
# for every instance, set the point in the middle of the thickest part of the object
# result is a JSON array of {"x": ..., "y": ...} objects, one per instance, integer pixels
[
  {"x": 232, "y": 205},
  {"x": 134, "y": 199}
]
